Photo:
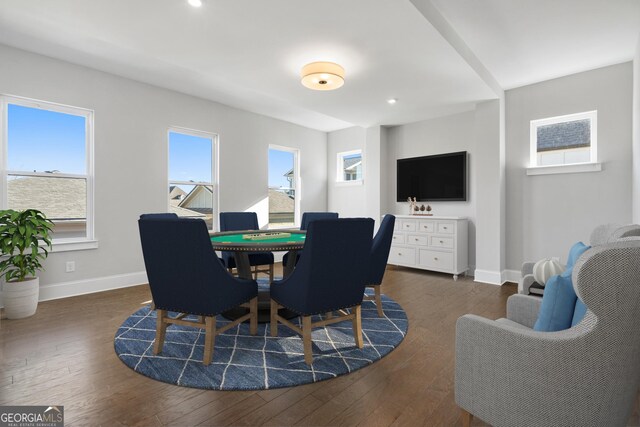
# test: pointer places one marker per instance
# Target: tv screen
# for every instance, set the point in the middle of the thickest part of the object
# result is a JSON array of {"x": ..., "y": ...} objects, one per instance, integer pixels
[{"x": 442, "y": 177}]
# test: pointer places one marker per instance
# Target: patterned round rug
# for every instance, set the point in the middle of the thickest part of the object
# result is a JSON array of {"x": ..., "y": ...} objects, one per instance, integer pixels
[{"x": 252, "y": 362}]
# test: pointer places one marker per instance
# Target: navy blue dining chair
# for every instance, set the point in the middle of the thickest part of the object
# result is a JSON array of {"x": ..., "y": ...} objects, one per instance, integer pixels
[
  {"x": 379, "y": 257},
  {"x": 307, "y": 218},
  {"x": 241, "y": 221},
  {"x": 186, "y": 277},
  {"x": 330, "y": 276},
  {"x": 163, "y": 215}
]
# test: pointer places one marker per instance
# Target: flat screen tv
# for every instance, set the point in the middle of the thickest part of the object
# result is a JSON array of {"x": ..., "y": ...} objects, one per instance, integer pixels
[{"x": 442, "y": 177}]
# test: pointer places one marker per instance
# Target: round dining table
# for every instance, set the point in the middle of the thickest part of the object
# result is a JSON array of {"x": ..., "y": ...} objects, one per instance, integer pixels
[{"x": 243, "y": 243}]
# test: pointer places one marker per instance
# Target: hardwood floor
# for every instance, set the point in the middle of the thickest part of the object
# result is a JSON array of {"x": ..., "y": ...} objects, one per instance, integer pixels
[{"x": 64, "y": 356}]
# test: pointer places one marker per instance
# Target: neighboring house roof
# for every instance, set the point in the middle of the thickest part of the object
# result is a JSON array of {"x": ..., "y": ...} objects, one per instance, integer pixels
[
  {"x": 193, "y": 194},
  {"x": 280, "y": 202},
  {"x": 176, "y": 193},
  {"x": 182, "y": 212},
  {"x": 58, "y": 198},
  {"x": 289, "y": 173},
  {"x": 352, "y": 163},
  {"x": 560, "y": 136}
]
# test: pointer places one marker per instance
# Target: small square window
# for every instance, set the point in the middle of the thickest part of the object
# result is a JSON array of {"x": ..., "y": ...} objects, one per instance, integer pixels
[
  {"x": 350, "y": 166},
  {"x": 564, "y": 140}
]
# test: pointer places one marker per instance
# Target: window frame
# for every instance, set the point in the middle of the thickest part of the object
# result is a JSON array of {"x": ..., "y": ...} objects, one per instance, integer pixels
[
  {"x": 340, "y": 170},
  {"x": 591, "y": 166},
  {"x": 214, "y": 137},
  {"x": 60, "y": 244},
  {"x": 297, "y": 181}
]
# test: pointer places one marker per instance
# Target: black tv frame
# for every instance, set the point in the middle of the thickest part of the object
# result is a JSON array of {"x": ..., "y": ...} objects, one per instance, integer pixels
[{"x": 464, "y": 176}]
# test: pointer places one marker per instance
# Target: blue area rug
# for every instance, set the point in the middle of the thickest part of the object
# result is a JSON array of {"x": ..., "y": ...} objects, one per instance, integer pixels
[{"x": 245, "y": 362}]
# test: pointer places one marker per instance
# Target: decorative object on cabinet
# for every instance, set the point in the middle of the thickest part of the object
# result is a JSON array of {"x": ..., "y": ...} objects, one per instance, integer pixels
[{"x": 434, "y": 243}]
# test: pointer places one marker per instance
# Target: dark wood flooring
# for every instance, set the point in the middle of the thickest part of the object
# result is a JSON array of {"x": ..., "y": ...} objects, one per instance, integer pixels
[{"x": 64, "y": 356}]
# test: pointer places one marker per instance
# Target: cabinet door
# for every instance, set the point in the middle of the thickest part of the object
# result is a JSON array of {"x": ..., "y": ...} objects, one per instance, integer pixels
[
  {"x": 446, "y": 227},
  {"x": 398, "y": 238},
  {"x": 442, "y": 242},
  {"x": 409, "y": 225},
  {"x": 402, "y": 255},
  {"x": 415, "y": 239},
  {"x": 426, "y": 226},
  {"x": 436, "y": 260}
]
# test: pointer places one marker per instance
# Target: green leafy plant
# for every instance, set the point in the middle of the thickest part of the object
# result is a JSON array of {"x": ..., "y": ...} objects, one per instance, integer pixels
[{"x": 21, "y": 233}]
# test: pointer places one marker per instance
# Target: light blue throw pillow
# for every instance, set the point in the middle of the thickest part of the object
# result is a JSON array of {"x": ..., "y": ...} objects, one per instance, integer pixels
[
  {"x": 558, "y": 304},
  {"x": 578, "y": 312},
  {"x": 574, "y": 253}
]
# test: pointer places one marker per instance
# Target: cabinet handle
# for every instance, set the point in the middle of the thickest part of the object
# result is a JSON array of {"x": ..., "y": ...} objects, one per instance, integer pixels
[
  {"x": 444, "y": 228},
  {"x": 416, "y": 240},
  {"x": 435, "y": 258},
  {"x": 400, "y": 253},
  {"x": 441, "y": 241}
]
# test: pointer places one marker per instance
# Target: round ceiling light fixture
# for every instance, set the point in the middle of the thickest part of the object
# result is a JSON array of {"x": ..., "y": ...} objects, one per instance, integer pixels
[
  {"x": 322, "y": 76},
  {"x": 195, "y": 3},
  {"x": 392, "y": 101}
]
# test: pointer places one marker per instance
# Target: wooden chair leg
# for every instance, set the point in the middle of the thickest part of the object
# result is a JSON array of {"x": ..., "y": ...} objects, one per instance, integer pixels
[
  {"x": 161, "y": 329},
  {"x": 357, "y": 326},
  {"x": 306, "y": 339},
  {"x": 378, "y": 300},
  {"x": 466, "y": 418},
  {"x": 329, "y": 314},
  {"x": 209, "y": 339},
  {"x": 253, "y": 320},
  {"x": 270, "y": 273},
  {"x": 274, "y": 319},
  {"x": 255, "y": 272}
]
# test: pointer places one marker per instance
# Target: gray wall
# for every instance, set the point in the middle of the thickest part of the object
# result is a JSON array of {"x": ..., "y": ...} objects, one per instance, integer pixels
[
  {"x": 348, "y": 199},
  {"x": 436, "y": 136},
  {"x": 546, "y": 214},
  {"x": 131, "y": 121}
]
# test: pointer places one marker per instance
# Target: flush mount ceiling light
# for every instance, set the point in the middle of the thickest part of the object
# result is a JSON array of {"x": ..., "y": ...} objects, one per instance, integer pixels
[
  {"x": 322, "y": 76},
  {"x": 392, "y": 101},
  {"x": 195, "y": 3}
]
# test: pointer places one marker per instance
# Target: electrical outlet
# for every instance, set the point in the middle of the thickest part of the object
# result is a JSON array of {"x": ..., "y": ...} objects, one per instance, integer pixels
[{"x": 70, "y": 266}]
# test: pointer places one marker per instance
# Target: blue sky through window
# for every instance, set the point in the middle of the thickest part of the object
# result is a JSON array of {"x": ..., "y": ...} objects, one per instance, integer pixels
[
  {"x": 280, "y": 162},
  {"x": 43, "y": 140},
  {"x": 190, "y": 158}
]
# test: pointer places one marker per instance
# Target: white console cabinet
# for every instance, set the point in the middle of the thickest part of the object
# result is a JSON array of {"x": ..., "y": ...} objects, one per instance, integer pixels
[{"x": 437, "y": 243}]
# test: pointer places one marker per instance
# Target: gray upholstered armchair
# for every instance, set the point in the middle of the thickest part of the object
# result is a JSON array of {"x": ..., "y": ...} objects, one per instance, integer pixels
[
  {"x": 588, "y": 375},
  {"x": 600, "y": 235}
]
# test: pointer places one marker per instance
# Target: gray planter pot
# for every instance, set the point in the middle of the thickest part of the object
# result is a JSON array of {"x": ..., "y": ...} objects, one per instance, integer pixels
[{"x": 21, "y": 298}]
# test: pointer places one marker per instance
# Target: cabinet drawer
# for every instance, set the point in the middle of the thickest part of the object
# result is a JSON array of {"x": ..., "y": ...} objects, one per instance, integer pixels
[
  {"x": 446, "y": 227},
  {"x": 402, "y": 255},
  {"x": 409, "y": 225},
  {"x": 436, "y": 260},
  {"x": 442, "y": 242},
  {"x": 427, "y": 226},
  {"x": 397, "y": 238},
  {"x": 417, "y": 240}
]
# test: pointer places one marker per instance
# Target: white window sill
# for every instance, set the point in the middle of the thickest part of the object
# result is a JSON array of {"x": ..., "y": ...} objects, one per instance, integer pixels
[
  {"x": 575, "y": 168},
  {"x": 349, "y": 183},
  {"x": 73, "y": 245}
]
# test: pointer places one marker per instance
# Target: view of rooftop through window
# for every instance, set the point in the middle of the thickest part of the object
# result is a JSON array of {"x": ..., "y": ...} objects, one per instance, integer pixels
[
  {"x": 564, "y": 140},
  {"x": 47, "y": 165},
  {"x": 191, "y": 176},
  {"x": 282, "y": 192},
  {"x": 350, "y": 166}
]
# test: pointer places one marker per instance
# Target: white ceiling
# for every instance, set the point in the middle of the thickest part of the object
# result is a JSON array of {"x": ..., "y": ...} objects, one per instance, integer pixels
[{"x": 248, "y": 53}]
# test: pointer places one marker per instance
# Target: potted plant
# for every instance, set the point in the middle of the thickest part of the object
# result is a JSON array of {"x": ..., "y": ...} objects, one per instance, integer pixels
[{"x": 21, "y": 234}]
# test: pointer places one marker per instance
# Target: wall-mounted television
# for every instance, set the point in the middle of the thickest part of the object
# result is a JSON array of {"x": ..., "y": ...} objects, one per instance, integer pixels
[{"x": 442, "y": 177}]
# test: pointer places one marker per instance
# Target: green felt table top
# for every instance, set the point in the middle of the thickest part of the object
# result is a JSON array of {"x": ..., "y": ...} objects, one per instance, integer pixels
[{"x": 237, "y": 238}]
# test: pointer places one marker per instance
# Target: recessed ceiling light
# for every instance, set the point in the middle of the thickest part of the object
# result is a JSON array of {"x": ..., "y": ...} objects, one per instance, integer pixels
[
  {"x": 195, "y": 3},
  {"x": 392, "y": 101}
]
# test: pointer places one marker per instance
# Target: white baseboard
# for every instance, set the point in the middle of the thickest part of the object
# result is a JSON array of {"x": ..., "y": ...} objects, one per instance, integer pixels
[
  {"x": 89, "y": 286},
  {"x": 496, "y": 277},
  {"x": 511, "y": 276}
]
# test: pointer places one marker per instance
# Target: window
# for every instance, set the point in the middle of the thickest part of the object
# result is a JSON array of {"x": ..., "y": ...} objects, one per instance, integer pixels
[
  {"x": 564, "y": 140},
  {"x": 191, "y": 175},
  {"x": 350, "y": 166},
  {"x": 283, "y": 177},
  {"x": 48, "y": 165}
]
